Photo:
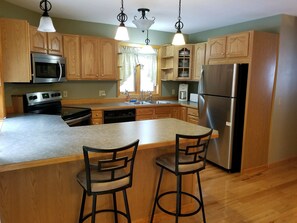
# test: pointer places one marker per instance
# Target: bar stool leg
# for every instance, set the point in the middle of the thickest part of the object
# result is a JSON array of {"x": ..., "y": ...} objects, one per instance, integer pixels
[
  {"x": 127, "y": 205},
  {"x": 201, "y": 198},
  {"x": 94, "y": 208},
  {"x": 115, "y": 207},
  {"x": 178, "y": 198},
  {"x": 157, "y": 194},
  {"x": 82, "y": 207}
]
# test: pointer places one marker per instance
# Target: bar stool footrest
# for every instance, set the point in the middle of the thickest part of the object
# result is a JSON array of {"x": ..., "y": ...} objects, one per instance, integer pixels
[
  {"x": 181, "y": 214},
  {"x": 104, "y": 210}
]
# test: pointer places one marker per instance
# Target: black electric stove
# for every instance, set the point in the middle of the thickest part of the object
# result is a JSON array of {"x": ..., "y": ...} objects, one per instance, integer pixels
[{"x": 49, "y": 102}]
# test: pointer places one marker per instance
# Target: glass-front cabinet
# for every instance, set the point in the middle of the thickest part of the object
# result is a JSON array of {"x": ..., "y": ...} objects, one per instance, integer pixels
[{"x": 184, "y": 62}]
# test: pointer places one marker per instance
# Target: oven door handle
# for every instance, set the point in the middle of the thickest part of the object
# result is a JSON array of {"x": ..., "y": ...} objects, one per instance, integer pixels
[
  {"x": 60, "y": 70},
  {"x": 74, "y": 121}
]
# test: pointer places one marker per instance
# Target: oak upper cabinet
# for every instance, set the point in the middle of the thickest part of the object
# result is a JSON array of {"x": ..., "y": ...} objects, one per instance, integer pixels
[
  {"x": 51, "y": 43},
  {"x": 99, "y": 61},
  {"x": 183, "y": 62},
  {"x": 167, "y": 61},
  {"x": 71, "y": 48},
  {"x": 238, "y": 45},
  {"x": 231, "y": 48},
  {"x": 198, "y": 60},
  {"x": 15, "y": 39},
  {"x": 108, "y": 50}
]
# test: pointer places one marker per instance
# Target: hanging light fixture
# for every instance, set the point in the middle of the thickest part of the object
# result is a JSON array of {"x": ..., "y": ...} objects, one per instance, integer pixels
[
  {"x": 122, "y": 32},
  {"x": 46, "y": 23},
  {"x": 178, "y": 38},
  {"x": 143, "y": 22},
  {"x": 147, "y": 49}
]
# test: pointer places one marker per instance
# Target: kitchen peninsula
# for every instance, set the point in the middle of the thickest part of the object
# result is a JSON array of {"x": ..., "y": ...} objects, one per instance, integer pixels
[{"x": 40, "y": 157}]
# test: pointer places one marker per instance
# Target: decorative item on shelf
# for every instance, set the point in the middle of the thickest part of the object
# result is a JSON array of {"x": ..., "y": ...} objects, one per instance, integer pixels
[
  {"x": 122, "y": 32},
  {"x": 178, "y": 38},
  {"x": 46, "y": 23},
  {"x": 143, "y": 22},
  {"x": 147, "y": 49}
]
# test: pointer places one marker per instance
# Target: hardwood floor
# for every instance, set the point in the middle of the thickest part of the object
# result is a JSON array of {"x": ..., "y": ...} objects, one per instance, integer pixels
[{"x": 267, "y": 197}]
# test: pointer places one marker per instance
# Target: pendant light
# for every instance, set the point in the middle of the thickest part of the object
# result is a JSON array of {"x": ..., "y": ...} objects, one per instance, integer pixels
[
  {"x": 147, "y": 49},
  {"x": 46, "y": 23},
  {"x": 122, "y": 32},
  {"x": 178, "y": 38}
]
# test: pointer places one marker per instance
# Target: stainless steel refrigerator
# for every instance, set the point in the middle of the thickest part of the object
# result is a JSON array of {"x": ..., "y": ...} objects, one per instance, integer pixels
[{"x": 221, "y": 106}]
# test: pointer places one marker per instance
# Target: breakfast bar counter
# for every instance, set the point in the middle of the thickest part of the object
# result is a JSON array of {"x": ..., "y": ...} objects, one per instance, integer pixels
[{"x": 40, "y": 157}]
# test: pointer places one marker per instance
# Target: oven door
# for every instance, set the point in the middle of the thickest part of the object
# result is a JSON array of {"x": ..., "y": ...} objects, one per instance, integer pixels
[
  {"x": 48, "y": 68},
  {"x": 76, "y": 116},
  {"x": 80, "y": 121}
]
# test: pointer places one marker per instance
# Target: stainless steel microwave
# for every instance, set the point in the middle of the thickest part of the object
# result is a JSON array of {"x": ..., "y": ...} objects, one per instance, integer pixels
[{"x": 47, "y": 68}]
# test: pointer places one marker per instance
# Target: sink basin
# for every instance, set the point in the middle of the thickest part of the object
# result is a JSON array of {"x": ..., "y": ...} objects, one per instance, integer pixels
[{"x": 149, "y": 102}]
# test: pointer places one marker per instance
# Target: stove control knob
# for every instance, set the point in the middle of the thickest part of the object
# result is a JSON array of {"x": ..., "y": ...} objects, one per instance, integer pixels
[{"x": 33, "y": 97}]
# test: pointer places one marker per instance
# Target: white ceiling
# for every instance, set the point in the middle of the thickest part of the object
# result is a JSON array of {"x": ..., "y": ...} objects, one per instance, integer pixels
[{"x": 197, "y": 15}]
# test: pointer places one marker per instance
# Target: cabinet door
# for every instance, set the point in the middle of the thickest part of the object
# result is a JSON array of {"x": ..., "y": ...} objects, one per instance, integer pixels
[
  {"x": 15, "y": 39},
  {"x": 90, "y": 58},
  {"x": 183, "y": 113},
  {"x": 108, "y": 58},
  {"x": 217, "y": 47},
  {"x": 2, "y": 101},
  {"x": 238, "y": 45},
  {"x": 55, "y": 43},
  {"x": 198, "y": 60},
  {"x": 71, "y": 45},
  {"x": 183, "y": 61},
  {"x": 38, "y": 40}
]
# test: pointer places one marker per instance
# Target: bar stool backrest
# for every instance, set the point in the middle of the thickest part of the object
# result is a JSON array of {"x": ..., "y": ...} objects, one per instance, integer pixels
[
  {"x": 191, "y": 151},
  {"x": 111, "y": 166}
]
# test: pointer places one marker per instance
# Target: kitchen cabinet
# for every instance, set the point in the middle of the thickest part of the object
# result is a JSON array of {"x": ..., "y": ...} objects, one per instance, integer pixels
[
  {"x": 183, "y": 62},
  {"x": 42, "y": 42},
  {"x": 71, "y": 48},
  {"x": 2, "y": 100},
  {"x": 183, "y": 113},
  {"x": 99, "y": 58},
  {"x": 156, "y": 112},
  {"x": 167, "y": 61},
  {"x": 97, "y": 117},
  {"x": 198, "y": 60},
  {"x": 15, "y": 39},
  {"x": 229, "y": 48},
  {"x": 192, "y": 115}
]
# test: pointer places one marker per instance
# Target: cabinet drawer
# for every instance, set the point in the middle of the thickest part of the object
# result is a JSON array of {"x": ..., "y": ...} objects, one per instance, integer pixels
[
  {"x": 96, "y": 114},
  {"x": 163, "y": 110},
  {"x": 193, "y": 112},
  {"x": 192, "y": 119},
  {"x": 97, "y": 121},
  {"x": 145, "y": 111}
]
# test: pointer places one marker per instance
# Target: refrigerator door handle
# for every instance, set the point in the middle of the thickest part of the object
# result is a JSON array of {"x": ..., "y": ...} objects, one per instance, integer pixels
[{"x": 199, "y": 95}]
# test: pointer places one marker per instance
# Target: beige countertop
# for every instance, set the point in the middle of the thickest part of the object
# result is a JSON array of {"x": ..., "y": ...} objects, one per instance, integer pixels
[{"x": 36, "y": 140}]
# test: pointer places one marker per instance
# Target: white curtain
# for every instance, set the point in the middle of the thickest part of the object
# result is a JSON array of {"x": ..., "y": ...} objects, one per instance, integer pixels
[
  {"x": 128, "y": 61},
  {"x": 148, "y": 63}
]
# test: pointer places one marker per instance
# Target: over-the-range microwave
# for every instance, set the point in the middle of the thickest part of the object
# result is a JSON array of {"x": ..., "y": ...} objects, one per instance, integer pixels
[{"x": 47, "y": 68}]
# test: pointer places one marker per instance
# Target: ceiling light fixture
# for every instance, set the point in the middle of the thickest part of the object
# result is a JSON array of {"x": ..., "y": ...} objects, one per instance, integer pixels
[
  {"x": 143, "y": 22},
  {"x": 46, "y": 23},
  {"x": 122, "y": 32},
  {"x": 178, "y": 38}
]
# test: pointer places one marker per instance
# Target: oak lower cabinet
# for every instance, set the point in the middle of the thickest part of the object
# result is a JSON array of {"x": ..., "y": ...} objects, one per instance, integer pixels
[
  {"x": 156, "y": 112},
  {"x": 15, "y": 40},
  {"x": 192, "y": 115},
  {"x": 71, "y": 48},
  {"x": 97, "y": 117},
  {"x": 42, "y": 42},
  {"x": 99, "y": 58}
]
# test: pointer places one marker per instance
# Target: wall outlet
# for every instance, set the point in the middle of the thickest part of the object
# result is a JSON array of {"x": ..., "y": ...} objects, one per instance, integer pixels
[
  {"x": 173, "y": 91},
  {"x": 102, "y": 93},
  {"x": 65, "y": 94}
]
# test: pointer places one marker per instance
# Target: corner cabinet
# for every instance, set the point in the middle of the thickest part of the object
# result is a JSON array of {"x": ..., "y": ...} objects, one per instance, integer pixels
[
  {"x": 71, "y": 48},
  {"x": 16, "y": 65},
  {"x": 51, "y": 43},
  {"x": 99, "y": 58},
  {"x": 167, "y": 61}
]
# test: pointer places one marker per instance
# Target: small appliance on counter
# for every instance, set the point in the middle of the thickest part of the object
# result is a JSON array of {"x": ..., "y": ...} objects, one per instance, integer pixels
[{"x": 183, "y": 92}]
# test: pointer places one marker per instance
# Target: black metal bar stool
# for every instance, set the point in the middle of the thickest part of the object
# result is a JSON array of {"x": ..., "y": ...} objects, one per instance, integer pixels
[
  {"x": 189, "y": 158},
  {"x": 112, "y": 172}
]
